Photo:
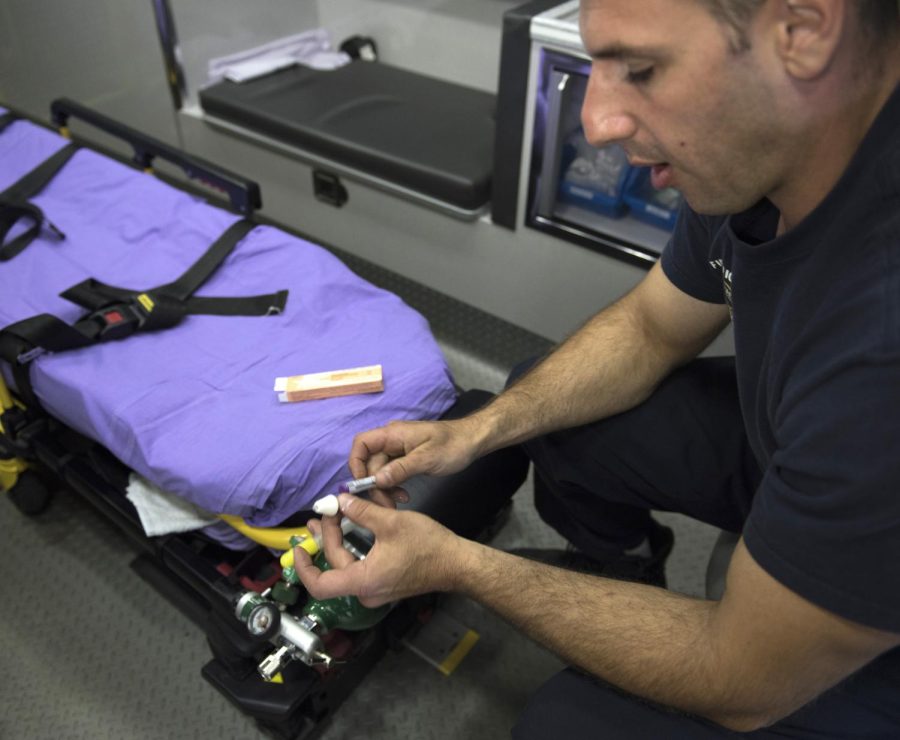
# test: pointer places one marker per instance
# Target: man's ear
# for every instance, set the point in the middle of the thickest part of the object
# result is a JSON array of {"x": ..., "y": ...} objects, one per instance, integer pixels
[{"x": 808, "y": 33}]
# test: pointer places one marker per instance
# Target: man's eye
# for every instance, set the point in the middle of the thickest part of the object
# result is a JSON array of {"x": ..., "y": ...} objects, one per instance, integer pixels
[{"x": 639, "y": 76}]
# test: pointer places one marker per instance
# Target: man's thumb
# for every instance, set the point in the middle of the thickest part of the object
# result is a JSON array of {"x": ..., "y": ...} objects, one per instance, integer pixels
[
  {"x": 393, "y": 474},
  {"x": 361, "y": 511}
]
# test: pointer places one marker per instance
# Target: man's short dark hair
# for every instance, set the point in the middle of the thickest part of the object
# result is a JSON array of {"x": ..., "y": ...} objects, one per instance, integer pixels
[{"x": 879, "y": 20}]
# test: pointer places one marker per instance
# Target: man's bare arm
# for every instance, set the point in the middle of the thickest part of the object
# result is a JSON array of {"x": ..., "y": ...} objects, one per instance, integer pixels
[
  {"x": 744, "y": 662},
  {"x": 609, "y": 365}
]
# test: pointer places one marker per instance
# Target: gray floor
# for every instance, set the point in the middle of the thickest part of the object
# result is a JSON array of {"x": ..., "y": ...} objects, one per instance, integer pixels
[{"x": 88, "y": 650}]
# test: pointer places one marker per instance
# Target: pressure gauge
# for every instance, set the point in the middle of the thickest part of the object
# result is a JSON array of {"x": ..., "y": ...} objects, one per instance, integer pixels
[{"x": 263, "y": 620}]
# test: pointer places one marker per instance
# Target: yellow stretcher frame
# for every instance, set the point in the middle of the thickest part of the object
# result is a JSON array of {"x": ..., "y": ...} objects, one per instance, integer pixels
[{"x": 10, "y": 467}]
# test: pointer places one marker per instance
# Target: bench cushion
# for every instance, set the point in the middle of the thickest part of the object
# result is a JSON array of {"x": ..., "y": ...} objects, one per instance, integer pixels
[{"x": 425, "y": 134}]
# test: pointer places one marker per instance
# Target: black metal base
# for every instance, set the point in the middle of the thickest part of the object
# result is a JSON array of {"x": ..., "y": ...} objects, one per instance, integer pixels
[{"x": 203, "y": 579}]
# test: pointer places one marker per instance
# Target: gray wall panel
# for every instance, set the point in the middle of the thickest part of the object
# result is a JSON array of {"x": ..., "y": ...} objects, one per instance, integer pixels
[
  {"x": 207, "y": 30},
  {"x": 103, "y": 53},
  {"x": 525, "y": 277},
  {"x": 456, "y": 40}
]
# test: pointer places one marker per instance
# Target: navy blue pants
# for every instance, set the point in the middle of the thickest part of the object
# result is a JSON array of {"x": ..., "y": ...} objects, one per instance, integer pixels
[
  {"x": 682, "y": 450},
  {"x": 573, "y": 706}
]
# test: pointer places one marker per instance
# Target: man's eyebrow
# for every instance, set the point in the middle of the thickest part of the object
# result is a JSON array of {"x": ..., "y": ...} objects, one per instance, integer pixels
[{"x": 623, "y": 51}]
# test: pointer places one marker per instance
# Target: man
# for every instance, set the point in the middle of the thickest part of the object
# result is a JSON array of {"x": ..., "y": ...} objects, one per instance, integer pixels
[{"x": 784, "y": 114}]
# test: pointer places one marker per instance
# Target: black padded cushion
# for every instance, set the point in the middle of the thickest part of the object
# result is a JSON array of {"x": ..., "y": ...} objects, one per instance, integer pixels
[{"x": 428, "y": 135}]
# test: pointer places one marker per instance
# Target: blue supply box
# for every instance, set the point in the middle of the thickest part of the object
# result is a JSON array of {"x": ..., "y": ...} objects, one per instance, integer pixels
[
  {"x": 655, "y": 207},
  {"x": 593, "y": 178},
  {"x": 601, "y": 180}
]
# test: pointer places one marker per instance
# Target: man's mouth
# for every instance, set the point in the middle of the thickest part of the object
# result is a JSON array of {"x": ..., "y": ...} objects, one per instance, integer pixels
[{"x": 661, "y": 175}]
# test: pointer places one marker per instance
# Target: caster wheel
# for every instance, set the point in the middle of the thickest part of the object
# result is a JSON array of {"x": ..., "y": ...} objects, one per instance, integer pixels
[{"x": 30, "y": 494}]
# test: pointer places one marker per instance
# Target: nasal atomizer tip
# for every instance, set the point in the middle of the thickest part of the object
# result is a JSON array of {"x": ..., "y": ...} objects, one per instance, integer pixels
[{"x": 327, "y": 506}]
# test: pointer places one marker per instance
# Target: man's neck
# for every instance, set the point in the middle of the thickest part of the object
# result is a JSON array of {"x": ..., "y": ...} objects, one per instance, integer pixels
[{"x": 828, "y": 147}]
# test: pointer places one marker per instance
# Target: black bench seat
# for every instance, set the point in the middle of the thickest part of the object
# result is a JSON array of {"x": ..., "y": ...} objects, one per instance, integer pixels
[{"x": 421, "y": 133}]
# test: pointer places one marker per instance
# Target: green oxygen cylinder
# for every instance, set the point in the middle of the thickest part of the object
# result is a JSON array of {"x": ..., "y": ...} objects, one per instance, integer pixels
[{"x": 342, "y": 612}]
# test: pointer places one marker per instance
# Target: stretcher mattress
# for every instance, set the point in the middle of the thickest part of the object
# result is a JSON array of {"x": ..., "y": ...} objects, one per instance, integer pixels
[{"x": 192, "y": 408}]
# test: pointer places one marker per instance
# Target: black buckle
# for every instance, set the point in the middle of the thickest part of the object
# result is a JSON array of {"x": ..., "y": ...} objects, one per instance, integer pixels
[{"x": 120, "y": 320}]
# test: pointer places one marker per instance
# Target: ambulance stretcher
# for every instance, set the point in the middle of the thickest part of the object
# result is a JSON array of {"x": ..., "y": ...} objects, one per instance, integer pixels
[{"x": 142, "y": 324}]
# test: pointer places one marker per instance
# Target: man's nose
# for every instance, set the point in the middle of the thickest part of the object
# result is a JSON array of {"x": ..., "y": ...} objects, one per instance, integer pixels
[{"x": 603, "y": 119}]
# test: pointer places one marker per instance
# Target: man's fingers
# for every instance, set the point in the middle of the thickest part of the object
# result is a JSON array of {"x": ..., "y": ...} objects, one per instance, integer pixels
[
  {"x": 332, "y": 543},
  {"x": 377, "y": 462},
  {"x": 395, "y": 473},
  {"x": 330, "y": 583},
  {"x": 382, "y": 498},
  {"x": 393, "y": 453},
  {"x": 364, "y": 447},
  {"x": 371, "y": 466},
  {"x": 371, "y": 450},
  {"x": 367, "y": 513},
  {"x": 389, "y": 498},
  {"x": 358, "y": 468},
  {"x": 304, "y": 568}
]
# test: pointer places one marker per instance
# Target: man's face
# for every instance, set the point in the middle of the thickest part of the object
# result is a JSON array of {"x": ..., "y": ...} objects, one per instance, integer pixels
[{"x": 666, "y": 85}]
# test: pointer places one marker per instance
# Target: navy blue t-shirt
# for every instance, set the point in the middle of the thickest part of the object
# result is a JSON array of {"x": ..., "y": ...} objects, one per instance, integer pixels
[{"x": 816, "y": 318}]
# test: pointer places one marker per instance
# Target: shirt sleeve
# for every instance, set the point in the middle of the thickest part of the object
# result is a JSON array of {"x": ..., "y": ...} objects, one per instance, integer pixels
[
  {"x": 689, "y": 257},
  {"x": 825, "y": 521}
]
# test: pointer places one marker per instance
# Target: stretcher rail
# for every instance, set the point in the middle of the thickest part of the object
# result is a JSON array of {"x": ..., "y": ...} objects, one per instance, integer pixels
[{"x": 243, "y": 194}]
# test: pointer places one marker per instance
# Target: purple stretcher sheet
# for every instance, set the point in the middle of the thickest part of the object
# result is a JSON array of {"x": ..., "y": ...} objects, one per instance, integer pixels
[{"x": 192, "y": 408}]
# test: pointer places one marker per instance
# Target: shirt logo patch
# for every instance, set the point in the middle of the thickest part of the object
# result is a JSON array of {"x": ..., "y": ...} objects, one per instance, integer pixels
[{"x": 719, "y": 266}]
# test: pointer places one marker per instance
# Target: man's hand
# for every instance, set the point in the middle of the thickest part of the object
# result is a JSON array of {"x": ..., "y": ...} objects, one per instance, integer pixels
[
  {"x": 402, "y": 449},
  {"x": 412, "y": 555}
]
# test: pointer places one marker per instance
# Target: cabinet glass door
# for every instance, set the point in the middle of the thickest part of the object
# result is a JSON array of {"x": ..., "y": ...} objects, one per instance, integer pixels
[{"x": 590, "y": 195}]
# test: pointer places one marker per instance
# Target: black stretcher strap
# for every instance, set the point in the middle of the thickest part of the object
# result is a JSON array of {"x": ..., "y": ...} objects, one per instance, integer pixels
[
  {"x": 116, "y": 313},
  {"x": 33, "y": 182},
  {"x": 14, "y": 203},
  {"x": 200, "y": 271},
  {"x": 47, "y": 332},
  {"x": 93, "y": 294},
  {"x": 11, "y": 349}
]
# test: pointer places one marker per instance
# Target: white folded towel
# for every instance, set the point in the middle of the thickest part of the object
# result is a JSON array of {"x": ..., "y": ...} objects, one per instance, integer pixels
[
  {"x": 310, "y": 48},
  {"x": 162, "y": 512}
]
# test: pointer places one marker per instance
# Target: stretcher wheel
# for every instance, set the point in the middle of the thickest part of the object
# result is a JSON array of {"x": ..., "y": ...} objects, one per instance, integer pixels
[{"x": 30, "y": 494}]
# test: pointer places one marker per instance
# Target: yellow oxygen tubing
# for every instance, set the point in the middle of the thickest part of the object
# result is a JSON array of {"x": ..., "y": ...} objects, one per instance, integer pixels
[{"x": 277, "y": 538}]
